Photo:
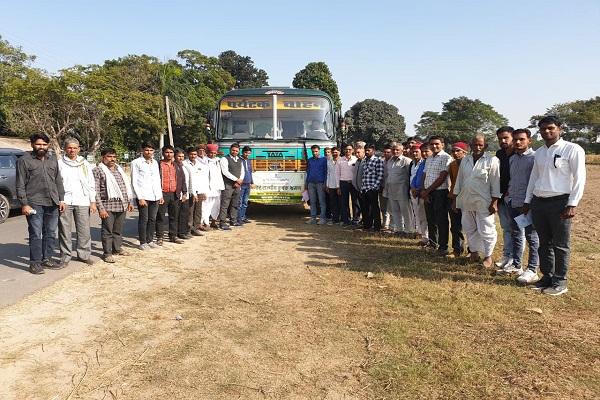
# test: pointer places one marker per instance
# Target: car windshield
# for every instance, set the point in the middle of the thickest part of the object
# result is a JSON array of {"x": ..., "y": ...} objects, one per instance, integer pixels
[
  {"x": 8, "y": 161},
  {"x": 297, "y": 118}
]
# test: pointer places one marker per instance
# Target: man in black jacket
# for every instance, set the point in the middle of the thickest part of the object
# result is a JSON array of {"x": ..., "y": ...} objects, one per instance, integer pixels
[{"x": 41, "y": 193}]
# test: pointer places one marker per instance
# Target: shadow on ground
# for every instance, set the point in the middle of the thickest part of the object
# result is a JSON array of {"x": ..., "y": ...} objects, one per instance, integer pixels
[{"x": 339, "y": 247}]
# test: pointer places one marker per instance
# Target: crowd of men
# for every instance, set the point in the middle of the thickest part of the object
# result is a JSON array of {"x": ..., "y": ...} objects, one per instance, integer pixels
[
  {"x": 414, "y": 189},
  {"x": 417, "y": 190},
  {"x": 184, "y": 194}
]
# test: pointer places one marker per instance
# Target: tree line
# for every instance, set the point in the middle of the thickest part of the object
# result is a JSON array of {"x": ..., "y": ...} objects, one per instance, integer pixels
[{"x": 121, "y": 102}]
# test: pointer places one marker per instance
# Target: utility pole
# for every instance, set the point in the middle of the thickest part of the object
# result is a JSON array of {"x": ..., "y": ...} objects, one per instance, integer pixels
[{"x": 169, "y": 120}]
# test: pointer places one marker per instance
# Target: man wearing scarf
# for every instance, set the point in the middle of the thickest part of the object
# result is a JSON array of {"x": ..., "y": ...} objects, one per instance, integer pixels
[
  {"x": 113, "y": 199},
  {"x": 80, "y": 200}
]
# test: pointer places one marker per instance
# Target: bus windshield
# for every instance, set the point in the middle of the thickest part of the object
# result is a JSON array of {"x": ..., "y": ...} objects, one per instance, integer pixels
[{"x": 243, "y": 118}]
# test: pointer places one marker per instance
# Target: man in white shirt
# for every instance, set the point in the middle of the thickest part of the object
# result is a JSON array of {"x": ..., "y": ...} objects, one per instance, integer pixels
[
  {"x": 332, "y": 186},
  {"x": 477, "y": 191},
  {"x": 347, "y": 172},
  {"x": 386, "y": 211},
  {"x": 80, "y": 200},
  {"x": 145, "y": 178},
  {"x": 199, "y": 178},
  {"x": 233, "y": 172},
  {"x": 555, "y": 188},
  {"x": 212, "y": 205}
]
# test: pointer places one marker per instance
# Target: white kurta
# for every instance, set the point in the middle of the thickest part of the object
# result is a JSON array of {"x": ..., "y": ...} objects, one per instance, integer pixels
[
  {"x": 212, "y": 205},
  {"x": 477, "y": 183}
]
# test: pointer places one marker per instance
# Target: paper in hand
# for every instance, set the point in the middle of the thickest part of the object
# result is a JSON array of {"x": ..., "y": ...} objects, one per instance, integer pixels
[{"x": 523, "y": 220}]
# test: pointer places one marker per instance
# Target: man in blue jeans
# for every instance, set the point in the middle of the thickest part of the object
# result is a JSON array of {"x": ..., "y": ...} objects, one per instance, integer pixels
[
  {"x": 521, "y": 164},
  {"x": 247, "y": 184},
  {"x": 316, "y": 175},
  {"x": 41, "y": 193}
]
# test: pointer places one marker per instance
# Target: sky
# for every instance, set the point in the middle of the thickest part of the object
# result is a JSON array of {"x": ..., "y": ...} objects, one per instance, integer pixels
[{"x": 521, "y": 57}]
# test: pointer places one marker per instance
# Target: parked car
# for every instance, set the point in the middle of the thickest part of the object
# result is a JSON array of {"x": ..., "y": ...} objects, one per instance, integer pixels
[{"x": 8, "y": 181}]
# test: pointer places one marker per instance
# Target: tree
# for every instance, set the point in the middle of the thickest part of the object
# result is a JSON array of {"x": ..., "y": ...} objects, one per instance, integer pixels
[
  {"x": 316, "y": 75},
  {"x": 581, "y": 119},
  {"x": 242, "y": 69},
  {"x": 14, "y": 64},
  {"x": 460, "y": 119},
  {"x": 375, "y": 121}
]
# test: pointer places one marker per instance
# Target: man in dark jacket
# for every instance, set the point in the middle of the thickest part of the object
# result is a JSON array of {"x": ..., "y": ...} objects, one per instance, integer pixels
[
  {"x": 173, "y": 184},
  {"x": 41, "y": 193}
]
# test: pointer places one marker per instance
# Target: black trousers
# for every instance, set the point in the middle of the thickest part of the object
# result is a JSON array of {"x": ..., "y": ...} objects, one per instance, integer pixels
[
  {"x": 147, "y": 221},
  {"x": 111, "y": 234},
  {"x": 370, "y": 210},
  {"x": 334, "y": 204},
  {"x": 349, "y": 193},
  {"x": 170, "y": 205},
  {"x": 230, "y": 202},
  {"x": 458, "y": 238},
  {"x": 555, "y": 237},
  {"x": 436, "y": 211},
  {"x": 183, "y": 218}
]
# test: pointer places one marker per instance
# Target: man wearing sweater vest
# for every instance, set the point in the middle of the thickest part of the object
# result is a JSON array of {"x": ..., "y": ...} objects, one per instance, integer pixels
[{"x": 233, "y": 172}]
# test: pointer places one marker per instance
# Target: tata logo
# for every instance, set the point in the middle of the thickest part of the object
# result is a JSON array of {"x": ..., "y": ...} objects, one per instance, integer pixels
[{"x": 275, "y": 154}]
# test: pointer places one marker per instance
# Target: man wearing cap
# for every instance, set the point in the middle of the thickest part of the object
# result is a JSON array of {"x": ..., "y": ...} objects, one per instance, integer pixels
[
  {"x": 459, "y": 150},
  {"x": 477, "y": 191}
]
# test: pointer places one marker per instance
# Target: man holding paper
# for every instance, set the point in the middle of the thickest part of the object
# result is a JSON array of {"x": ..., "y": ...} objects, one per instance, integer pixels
[
  {"x": 521, "y": 164},
  {"x": 554, "y": 191}
]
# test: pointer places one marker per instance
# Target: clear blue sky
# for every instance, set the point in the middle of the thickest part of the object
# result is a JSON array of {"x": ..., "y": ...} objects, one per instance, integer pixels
[{"x": 519, "y": 56}]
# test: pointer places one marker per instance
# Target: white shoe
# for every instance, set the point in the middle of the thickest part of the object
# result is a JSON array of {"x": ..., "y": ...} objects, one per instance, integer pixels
[
  {"x": 504, "y": 262},
  {"x": 143, "y": 246},
  {"x": 152, "y": 245},
  {"x": 528, "y": 277},
  {"x": 509, "y": 269}
]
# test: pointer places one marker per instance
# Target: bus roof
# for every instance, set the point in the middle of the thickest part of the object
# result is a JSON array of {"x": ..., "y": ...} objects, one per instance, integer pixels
[{"x": 282, "y": 90}]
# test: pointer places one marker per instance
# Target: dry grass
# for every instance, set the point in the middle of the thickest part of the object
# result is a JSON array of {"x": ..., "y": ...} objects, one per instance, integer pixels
[
  {"x": 290, "y": 314},
  {"x": 593, "y": 159}
]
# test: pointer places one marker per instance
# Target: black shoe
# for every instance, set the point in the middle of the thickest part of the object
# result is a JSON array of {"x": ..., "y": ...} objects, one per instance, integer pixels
[
  {"x": 52, "y": 265},
  {"x": 236, "y": 224},
  {"x": 184, "y": 237},
  {"x": 246, "y": 221},
  {"x": 545, "y": 282},
  {"x": 225, "y": 227},
  {"x": 176, "y": 240},
  {"x": 36, "y": 269},
  {"x": 442, "y": 253},
  {"x": 196, "y": 233}
]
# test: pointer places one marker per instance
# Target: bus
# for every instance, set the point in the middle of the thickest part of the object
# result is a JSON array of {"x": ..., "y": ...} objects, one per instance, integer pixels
[{"x": 279, "y": 125}]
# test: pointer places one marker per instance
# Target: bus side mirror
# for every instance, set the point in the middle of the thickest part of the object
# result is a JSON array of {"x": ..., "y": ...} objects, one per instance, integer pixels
[{"x": 211, "y": 118}]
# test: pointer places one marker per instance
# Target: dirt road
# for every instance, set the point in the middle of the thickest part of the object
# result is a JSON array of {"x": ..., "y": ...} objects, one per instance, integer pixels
[{"x": 249, "y": 313}]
